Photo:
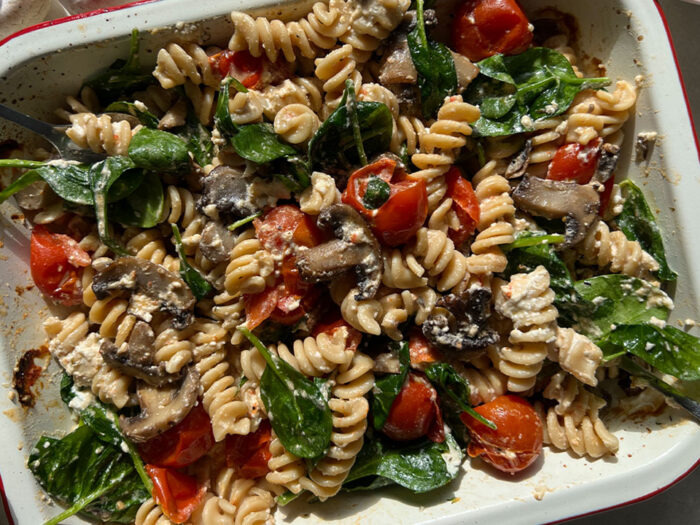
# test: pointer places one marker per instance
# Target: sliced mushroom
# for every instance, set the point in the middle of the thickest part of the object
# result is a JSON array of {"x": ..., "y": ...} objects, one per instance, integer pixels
[
  {"x": 645, "y": 144},
  {"x": 152, "y": 288},
  {"x": 137, "y": 357},
  {"x": 518, "y": 166},
  {"x": 226, "y": 193},
  {"x": 466, "y": 70},
  {"x": 216, "y": 242},
  {"x": 119, "y": 117},
  {"x": 609, "y": 156},
  {"x": 161, "y": 408},
  {"x": 576, "y": 204},
  {"x": 459, "y": 322},
  {"x": 354, "y": 247}
]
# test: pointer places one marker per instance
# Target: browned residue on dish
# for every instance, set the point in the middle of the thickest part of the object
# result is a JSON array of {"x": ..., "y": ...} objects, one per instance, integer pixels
[{"x": 27, "y": 372}]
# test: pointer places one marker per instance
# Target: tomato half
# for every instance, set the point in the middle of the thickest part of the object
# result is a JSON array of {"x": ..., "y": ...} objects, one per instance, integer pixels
[
  {"x": 241, "y": 65},
  {"x": 415, "y": 412},
  {"x": 517, "y": 440},
  {"x": 178, "y": 494},
  {"x": 575, "y": 162},
  {"x": 420, "y": 350},
  {"x": 285, "y": 224},
  {"x": 183, "y": 444},
  {"x": 55, "y": 261},
  {"x": 249, "y": 454},
  {"x": 483, "y": 28},
  {"x": 405, "y": 210},
  {"x": 465, "y": 204}
]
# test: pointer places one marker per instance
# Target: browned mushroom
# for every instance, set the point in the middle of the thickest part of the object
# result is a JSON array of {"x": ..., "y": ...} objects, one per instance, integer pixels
[
  {"x": 152, "y": 288},
  {"x": 518, "y": 166},
  {"x": 161, "y": 408},
  {"x": 609, "y": 157},
  {"x": 458, "y": 324},
  {"x": 216, "y": 242},
  {"x": 226, "y": 193},
  {"x": 354, "y": 247},
  {"x": 576, "y": 204}
]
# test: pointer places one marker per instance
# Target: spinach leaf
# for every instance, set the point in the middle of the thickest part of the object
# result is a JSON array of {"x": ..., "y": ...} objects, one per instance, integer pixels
[
  {"x": 388, "y": 387},
  {"x": 198, "y": 139},
  {"x": 143, "y": 207},
  {"x": 198, "y": 284},
  {"x": 514, "y": 91},
  {"x": 454, "y": 386},
  {"x": 523, "y": 241},
  {"x": 419, "y": 466},
  {"x": 568, "y": 301},
  {"x": 437, "y": 76},
  {"x": 122, "y": 77},
  {"x": 24, "y": 180},
  {"x": 259, "y": 143},
  {"x": 95, "y": 479},
  {"x": 157, "y": 150},
  {"x": 351, "y": 105},
  {"x": 376, "y": 194},
  {"x": 147, "y": 118},
  {"x": 332, "y": 148},
  {"x": 244, "y": 221},
  {"x": 618, "y": 300},
  {"x": 222, "y": 116},
  {"x": 293, "y": 171},
  {"x": 638, "y": 223},
  {"x": 69, "y": 181},
  {"x": 668, "y": 349},
  {"x": 297, "y": 407}
]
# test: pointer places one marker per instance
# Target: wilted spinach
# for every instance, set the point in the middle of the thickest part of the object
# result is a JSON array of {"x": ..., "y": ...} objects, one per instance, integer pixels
[
  {"x": 297, "y": 407},
  {"x": 197, "y": 283},
  {"x": 437, "y": 76},
  {"x": 198, "y": 139},
  {"x": 638, "y": 223},
  {"x": 143, "y": 207},
  {"x": 523, "y": 241},
  {"x": 157, "y": 150},
  {"x": 515, "y": 91},
  {"x": 259, "y": 143},
  {"x": 147, "y": 118},
  {"x": 388, "y": 387}
]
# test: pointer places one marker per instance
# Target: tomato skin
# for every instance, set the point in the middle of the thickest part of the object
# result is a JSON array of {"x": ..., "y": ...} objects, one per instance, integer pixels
[
  {"x": 484, "y": 28},
  {"x": 575, "y": 162},
  {"x": 420, "y": 350},
  {"x": 249, "y": 454},
  {"x": 239, "y": 64},
  {"x": 415, "y": 412},
  {"x": 178, "y": 494},
  {"x": 183, "y": 444},
  {"x": 605, "y": 195},
  {"x": 404, "y": 212},
  {"x": 517, "y": 441},
  {"x": 285, "y": 224},
  {"x": 465, "y": 204},
  {"x": 55, "y": 262}
]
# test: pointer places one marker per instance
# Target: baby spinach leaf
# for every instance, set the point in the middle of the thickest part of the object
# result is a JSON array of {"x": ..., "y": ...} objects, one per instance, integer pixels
[
  {"x": 259, "y": 143},
  {"x": 419, "y": 466},
  {"x": 523, "y": 241},
  {"x": 454, "y": 386},
  {"x": 293, "y": 171},
  {"x": 157, "y": 150},
  {"x": 68, "y": 181},
  {"x": 122, "y": 77},
  {"x": 515, "y": 91},
  {"x": 143, "y": 207},
  {"x": 618, "y": 300},
  {"x": 24, "y": 180},
  {"x": 638, "y": 223},
  {"x": 198, "y": 139},
  {"x": 351, "y": 105},
  {"x": 388, "y": 387},
  {"x": 437, "y": 76},
  {"x": 95, "y": 479},
  {"x": 296, "y": 406},
  {"x": 198, "y": 284},
  {"x": 222, "y": 116},
  {"x": 332, "y": 148},
  {"x": 147, "y": 118},
  {"x": 376, "y": 194},
  {"x": 668, "y": 349}
]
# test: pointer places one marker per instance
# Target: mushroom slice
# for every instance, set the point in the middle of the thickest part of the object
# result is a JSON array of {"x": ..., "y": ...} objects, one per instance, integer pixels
[
  {"x": 137, "y": 357},
  {"x": 575, "y": 203},
  {"x": 458, "y": 324},
  {"x": 354, "y": 246},
  {"x": 609, "y": 156},
  {"x": 152, "y": 288},
  {"x": 161, "y": 408},
  {"x": 226, "y": 192},
  {"x": 216, "y": 242},
  {"x": 520, "y": 162}
]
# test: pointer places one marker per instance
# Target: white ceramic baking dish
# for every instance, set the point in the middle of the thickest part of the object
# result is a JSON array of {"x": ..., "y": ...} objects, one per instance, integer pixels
[{"x": 41, "y": 66}]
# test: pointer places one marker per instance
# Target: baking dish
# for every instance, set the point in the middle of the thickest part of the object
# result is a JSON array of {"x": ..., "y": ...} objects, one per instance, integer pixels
[{"x": 39, "y": 68}]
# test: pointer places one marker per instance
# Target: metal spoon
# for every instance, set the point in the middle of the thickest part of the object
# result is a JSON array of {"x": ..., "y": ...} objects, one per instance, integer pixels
[{"x": 65, "y": 147}]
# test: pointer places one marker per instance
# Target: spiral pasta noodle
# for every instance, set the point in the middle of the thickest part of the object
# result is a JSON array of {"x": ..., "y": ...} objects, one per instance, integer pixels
[
  {"x": 296, "y": 123},
  {"x": 435, "y": 253},
  {"x": 368, "y": 27},
  {"x": 485, "y": 381},
  {"x": 180, "y": 209},
  {"x": 150, "y": 513},
  {"x": 299, "y": 90},
  {"x": 285, "y": 468},
  {"x": 177, "y": 64},
  {"x": 203, "y": 99},
  {"x": 250, "y": 268},
  {"x": 100, "y": 133},
  {"x": 253, "y": 502},
  {"x": 317, "y": 356},
  {"x": 361, "y": 315},
  {"x": 320, "y": 195},
  {"x": 173, "y": 347},
  {"x": 578, "y": 355},
  {"x": 396, "y": 308}
]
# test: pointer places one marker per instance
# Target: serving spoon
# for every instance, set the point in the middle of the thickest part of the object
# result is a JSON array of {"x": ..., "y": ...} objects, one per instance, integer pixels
[{"x": 63, "y": 144}]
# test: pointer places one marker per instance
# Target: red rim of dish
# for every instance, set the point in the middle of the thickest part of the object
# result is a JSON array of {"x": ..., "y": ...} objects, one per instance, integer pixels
[{"x": 3, "y": 496}]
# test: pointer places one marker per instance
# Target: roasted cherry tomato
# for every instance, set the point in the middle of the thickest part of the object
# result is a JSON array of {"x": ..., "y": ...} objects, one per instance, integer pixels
[
  {"x": 465, "y": 204},
  {"x": 183, "y": 444},
  {"x": 517, "y": 440},
  {"x": 483, "y": 28},
  {"x": 354, "y": 336},
  {"x": 403, "y": 210},
  {"x": 575, "y": 162},
  {"x": 420, "y": 349},
  {"x": 178, "y": 494},
  {"x": 240, "y": 65},
  {"x": 415, "y": 412},
  {"x": 285, "y": 224},
  {"x": 249, "y": 454},
  {"x": 56, "y": 261}
]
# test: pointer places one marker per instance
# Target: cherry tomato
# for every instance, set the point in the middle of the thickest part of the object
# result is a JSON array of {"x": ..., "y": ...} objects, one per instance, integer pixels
[
  {"x": 575, "y": 162},
  {"x": 415, "y": 412},
  {"x": 420, "y": 349},
  {"x": 484, "y": 28},
  {"x": 241, "y": 65},
  {"x": 284, "y": 224},
  {"x": 465, "y": 204},
  {"x": 517, "y": 440},
  {"x": 183, "y": 444},
  {"x": 354, "y": 336},
  {"x": 249, "y": 454},
  {"x": 178, "y": 494},
  {"x": 55, "y": 261},
  {"x": 402, "y": 214},
  {"x": 605, "y": 195}
]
